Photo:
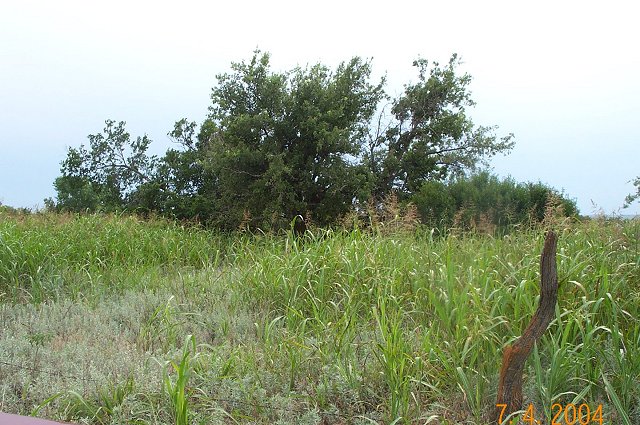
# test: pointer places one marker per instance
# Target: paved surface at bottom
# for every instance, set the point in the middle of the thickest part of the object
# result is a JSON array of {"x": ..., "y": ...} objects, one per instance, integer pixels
[{"x": 8, "y": 419}]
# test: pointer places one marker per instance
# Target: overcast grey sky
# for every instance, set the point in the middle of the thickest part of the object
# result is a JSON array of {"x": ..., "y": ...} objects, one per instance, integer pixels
[{"x": 561, "y": 75}]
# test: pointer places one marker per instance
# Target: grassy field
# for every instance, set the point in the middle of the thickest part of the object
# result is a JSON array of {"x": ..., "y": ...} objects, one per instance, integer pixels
[{"x": 114, "y": 320}]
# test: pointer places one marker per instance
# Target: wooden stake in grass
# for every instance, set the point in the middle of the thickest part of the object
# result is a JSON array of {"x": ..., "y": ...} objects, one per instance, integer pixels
[{"x": 515, "y": 356}]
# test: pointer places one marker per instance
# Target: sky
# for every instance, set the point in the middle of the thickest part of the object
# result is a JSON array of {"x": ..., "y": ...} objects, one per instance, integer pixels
[{"x": 562, "y": 76}]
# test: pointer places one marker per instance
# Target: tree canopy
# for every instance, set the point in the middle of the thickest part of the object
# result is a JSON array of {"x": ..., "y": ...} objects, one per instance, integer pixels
[
  {"x": 279, "y": 143},
  {"x": 431, "y": 136},
  {"x": 312, "y": 141},
  {"x": 106, "y": 175}
]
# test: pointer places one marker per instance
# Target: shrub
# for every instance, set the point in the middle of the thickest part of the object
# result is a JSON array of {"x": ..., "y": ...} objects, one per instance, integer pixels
[{"x": 483, "y": 200}]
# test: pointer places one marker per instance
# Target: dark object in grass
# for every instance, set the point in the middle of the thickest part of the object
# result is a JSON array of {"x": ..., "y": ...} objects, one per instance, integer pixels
[
  {"x": 8, "y": 419},
  {"x": 515, "y": 355},
  {"x": 299, "y": 226}
]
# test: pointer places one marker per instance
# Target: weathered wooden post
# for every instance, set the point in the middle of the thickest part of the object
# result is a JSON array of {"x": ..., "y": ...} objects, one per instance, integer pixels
[{"x": 515, "y": 355}]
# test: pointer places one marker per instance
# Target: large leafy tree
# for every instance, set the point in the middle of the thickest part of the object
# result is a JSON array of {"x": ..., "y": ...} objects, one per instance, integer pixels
[
  {"x": 430, "y": 135},
  {"x": 281, "y": 143}
]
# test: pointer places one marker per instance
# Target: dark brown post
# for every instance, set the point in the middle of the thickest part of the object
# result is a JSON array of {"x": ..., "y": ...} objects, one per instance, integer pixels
[{"x": 515, "y": 356}]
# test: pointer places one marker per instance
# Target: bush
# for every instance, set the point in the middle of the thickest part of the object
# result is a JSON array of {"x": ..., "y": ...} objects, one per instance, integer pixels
[{"x": 485, "y": 200}]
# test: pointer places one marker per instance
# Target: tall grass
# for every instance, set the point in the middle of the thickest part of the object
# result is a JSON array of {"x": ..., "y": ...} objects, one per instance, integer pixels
[
  {"x": 177, "y": 391},
  {"x": 449, "y": 305},
  {"x": 336, "y": 327},
  {"x": 47, "y": 255}
]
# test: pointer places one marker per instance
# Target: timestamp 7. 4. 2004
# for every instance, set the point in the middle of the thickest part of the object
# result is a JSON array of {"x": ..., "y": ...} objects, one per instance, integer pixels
[{"x": 561, "y": 414}]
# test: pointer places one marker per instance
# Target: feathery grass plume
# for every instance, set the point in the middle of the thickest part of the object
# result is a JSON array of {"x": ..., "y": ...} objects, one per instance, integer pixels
[
  {"x": 245, "y": 222},
  {"x": 410, "y": 218}
]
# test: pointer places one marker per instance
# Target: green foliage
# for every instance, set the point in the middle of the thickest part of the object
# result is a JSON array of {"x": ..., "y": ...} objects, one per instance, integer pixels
[
  {"x": 177, "y": 391},
  {"x": 7, "y": 210},
  {"x": 632, "y": 197},
  {"x": 278, "y": 142},
  {"x": 105, "y": 176},
  {"x": 395, "y": 357},
  {"x": 483, "y": 198},
  {"x": 276, "y": 145},
  {"x": 337, "y": 327},
  {"x": 102, "y": 406},
  {"x": 48, "y": 255},
  {"x": 184, "y": 188},
  {"x": 431, "y": 136}
]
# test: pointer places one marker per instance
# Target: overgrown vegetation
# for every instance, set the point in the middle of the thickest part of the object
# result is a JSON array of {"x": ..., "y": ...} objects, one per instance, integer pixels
[
  {"x": 313, "y": 141},
  {"x": 114, "y": 320},
  {"x": 43, "y": 256}
]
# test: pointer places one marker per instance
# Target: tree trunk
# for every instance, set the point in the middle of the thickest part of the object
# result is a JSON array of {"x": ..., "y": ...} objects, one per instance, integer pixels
[{"x": 515, "y": 356}]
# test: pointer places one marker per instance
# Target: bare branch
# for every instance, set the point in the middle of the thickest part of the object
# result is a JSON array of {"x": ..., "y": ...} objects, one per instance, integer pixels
[{"x": 515, "y": 355}]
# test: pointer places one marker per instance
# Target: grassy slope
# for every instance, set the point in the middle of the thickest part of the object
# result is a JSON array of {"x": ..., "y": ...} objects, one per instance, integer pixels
[{"x": 343, "y": 328}]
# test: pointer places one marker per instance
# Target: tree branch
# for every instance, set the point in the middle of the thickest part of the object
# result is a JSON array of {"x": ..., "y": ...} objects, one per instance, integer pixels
[
  {"x": 459, "y": 148},
  {"x": 515, "y": 355}
]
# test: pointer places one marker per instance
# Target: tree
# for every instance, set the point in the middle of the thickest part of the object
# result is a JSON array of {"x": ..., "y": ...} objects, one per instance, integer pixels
[
  {"x": 106, "y": 176},
  {"x": 430, "y": 137},
  {"x": 280, "y": 143},
  {"x": 632, "y": 197},
  {"x": 189, "y": 189},
  {"x": 277, "y": 145}
]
